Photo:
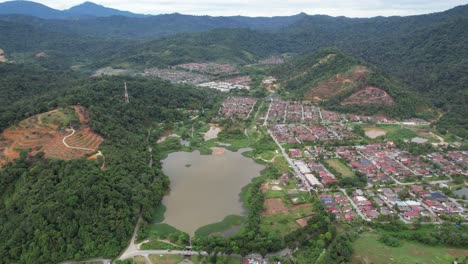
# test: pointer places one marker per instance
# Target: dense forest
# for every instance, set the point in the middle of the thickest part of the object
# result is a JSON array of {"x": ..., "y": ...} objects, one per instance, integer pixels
[
  {"x": 55, "y": 210},
  {"x": 72, "y": 209}
]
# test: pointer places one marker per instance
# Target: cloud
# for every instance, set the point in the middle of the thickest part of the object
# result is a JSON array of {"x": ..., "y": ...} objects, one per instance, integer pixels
[{"x": 350, "y": 8}]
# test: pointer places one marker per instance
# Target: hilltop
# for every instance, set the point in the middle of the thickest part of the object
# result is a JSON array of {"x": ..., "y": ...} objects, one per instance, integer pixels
[
  {"x": 343, "y": 82},
  {"x": 86, "y": 9},
  {"x": 50, "y": 133}
]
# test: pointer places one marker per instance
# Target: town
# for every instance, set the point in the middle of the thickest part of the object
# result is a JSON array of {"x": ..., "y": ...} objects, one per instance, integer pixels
[{"x": 324, "y": 153}]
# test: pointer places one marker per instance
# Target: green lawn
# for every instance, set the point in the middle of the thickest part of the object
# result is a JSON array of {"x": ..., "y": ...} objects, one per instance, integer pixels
[
  {"x": 228, "y": 222},
  {"x": 220, "y": 260},
  {"x": 367, "y": 249},
  {"x": 395, "y": 132},
  {"x": 166, "y": 259},
  {"x": 159, "y": 245},
  {"x": 340, "y": 167},
  {"x": 283, "y": 224}
]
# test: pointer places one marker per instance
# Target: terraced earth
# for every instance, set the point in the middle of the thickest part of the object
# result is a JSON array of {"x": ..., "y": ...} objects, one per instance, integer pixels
[{"x": 50, "y": 133}]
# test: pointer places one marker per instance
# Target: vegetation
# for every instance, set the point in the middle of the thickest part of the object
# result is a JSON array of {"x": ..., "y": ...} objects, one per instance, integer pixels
[
  {"x": 69, "y": 204},
  {"x": 368, "y": 248},
  {"x": 228, "y": 222}
]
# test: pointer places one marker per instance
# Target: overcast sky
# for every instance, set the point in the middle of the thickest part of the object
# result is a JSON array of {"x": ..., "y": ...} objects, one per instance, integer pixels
[{"x": 350, "y": 8}]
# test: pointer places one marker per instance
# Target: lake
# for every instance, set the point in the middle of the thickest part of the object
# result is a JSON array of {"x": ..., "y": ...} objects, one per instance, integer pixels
[{"x": 206, "y": 188}]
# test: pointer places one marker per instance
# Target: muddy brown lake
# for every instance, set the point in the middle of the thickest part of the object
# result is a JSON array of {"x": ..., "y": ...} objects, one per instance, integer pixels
[{"x": 206, "y": 188}]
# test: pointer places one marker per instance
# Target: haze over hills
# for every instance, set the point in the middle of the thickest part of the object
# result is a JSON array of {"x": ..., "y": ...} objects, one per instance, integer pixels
[{"x": 86, "y": 9}]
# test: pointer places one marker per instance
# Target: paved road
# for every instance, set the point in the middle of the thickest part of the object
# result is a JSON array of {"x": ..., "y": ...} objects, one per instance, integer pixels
[
  {"x": 354, "y": 205},
  {"x": 291, "y": 163}
]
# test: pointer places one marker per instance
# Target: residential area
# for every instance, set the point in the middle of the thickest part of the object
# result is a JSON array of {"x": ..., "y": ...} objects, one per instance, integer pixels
[{"x": 398, "y": 184}]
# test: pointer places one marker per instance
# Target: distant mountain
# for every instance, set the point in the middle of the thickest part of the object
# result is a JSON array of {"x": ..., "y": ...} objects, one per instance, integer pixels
[
  {"x": 83, "y": 10},
  {"x": 29, "y": 8},
  {"x": 150, "y": 27},
  {"x": 89, "y": 9}
]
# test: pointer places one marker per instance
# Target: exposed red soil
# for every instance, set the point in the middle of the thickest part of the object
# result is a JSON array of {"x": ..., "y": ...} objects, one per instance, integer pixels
[
  {"x": 35, "y": 136},
  {"x": 336, "y": 85},
  {"x": 2, "y": 56},
  {"x": 369, "y": 95},
  {"x": 274, "y": 206},
  {"x": 83, "y": 114},
  {"x": 302, "y": 222}
]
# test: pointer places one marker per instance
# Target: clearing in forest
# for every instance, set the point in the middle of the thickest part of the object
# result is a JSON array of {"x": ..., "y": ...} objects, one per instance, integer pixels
[
  {"x": 369, "y": 95},
  {"x": 339, "y": 83},
  {"x": 48, "y": 133}
]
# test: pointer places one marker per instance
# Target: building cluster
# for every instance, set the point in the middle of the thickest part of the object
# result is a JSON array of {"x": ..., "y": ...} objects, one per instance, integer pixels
[
  {"x": 238, "y": 107},
  {"x": 297, "y": 134},
  {"x": 383, "y": 162},
  {"x": 282, "y": 111},
  {"x": 209, "y": 68},
  {"x": 407, "y": 203},
  {"x": 224, "y": 86},
  {"x": 339, "y": 205},
  {"x": 176, "y": 76}
]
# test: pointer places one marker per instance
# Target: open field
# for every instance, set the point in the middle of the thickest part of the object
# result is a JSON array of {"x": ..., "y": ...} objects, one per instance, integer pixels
[
  {"x": 166, "y": 259},
  {"x": 367, "y": 249},
  {"x": 220, "y": 260},
  {"x": 284, "y": 223},
  {"x": 46, "y": 133},
  {"x": 340, "y": 167}
]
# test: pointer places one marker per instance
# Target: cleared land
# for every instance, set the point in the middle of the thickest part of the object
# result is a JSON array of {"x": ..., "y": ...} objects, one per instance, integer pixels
[
  {"x": 369, "y": 95},
  {"x": 340, "y": 167},
  {"x": 284, "y": 223},
  {"x": 337, "y": 84},
  {"x": 46, "y": 132},
  {"x": 2, "y": 56},
  {"x": 367, "y": 249}
]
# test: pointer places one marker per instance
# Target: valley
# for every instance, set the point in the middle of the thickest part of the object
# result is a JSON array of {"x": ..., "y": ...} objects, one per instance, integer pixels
[{"x": 128, "y": 138}]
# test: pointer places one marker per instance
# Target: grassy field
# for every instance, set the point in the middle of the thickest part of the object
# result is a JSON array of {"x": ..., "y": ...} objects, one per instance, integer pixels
[
  {"x": 340, "y": 167},
  {"x": 395, "y": 132},
  {"x": 283, "y": 224},
  {"x": 159, "y": 245},
  {"x": 166, "y": 259},
  {"x": 220, "y": 260},
  {"x": 227, "y": 223},
  {"x": 367, "y": 249}
]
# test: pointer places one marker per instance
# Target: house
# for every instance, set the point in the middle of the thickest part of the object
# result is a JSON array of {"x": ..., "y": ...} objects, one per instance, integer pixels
[
  {"x": 410, "y": 215},
  {"x": 438, "y": 197},
  {"x": 333, "y": 210},
  {"x": 349, "y": 217},
  {"x": 295, "y": 153}
]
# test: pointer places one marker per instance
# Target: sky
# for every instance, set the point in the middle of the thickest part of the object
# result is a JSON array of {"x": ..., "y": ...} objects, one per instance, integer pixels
[{"x": 349, "y": 8}]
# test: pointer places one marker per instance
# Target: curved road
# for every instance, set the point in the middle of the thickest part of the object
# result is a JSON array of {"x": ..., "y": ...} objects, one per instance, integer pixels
[{"x": 68, "y": 146}]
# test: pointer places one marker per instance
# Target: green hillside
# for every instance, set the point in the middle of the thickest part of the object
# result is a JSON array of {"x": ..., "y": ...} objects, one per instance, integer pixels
[{"x": 342, "y": 82}]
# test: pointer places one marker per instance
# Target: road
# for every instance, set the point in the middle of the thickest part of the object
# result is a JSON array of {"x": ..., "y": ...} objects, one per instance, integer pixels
[
  {"x": 68, "y": 146},
  {"x": 354, "y": 205},
  {"x": 132, "y": 247},
  {"x": 291, "y": 163}
]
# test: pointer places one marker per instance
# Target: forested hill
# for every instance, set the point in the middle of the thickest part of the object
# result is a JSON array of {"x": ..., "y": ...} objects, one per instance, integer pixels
[
  {"x": 150, "y": 27},
  {"x": 345, "y": 83},
  {"x": 56, "y": 210}
]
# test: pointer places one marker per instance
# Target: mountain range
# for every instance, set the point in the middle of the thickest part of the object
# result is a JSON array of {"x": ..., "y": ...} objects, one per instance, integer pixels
[
  {"x": 86, "y": 9},
  {"x": 426, "y": 52}
]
